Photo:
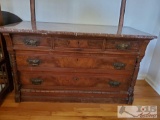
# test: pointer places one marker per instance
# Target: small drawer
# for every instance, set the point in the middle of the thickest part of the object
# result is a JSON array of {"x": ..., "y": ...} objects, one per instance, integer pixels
[
  {"x": 70, "y": 61},
  {"x": 31, "y": 42},
  {"x": 78, "y": 44},
  {"x": 46, "y": 80},
  {"x": 123, "y": 45}
]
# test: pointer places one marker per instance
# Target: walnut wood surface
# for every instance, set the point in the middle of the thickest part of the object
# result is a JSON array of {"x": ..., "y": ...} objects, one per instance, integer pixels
[
  {"x": 76, "y": 81},
  {"x": 73, "y": 62}
]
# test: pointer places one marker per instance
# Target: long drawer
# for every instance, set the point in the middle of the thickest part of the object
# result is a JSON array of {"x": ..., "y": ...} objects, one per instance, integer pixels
[
  {"x": 40, "y": 42},
  {"x": 49, "y": 60},
  {"x": 43, "y": 80}
]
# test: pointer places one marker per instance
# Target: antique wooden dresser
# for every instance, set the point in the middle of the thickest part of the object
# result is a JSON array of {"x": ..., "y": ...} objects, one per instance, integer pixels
[{"x": 74, "y": 62}]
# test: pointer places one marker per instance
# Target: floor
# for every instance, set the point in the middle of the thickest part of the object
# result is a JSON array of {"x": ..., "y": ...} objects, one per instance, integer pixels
[{"x": 9, "y": 110}]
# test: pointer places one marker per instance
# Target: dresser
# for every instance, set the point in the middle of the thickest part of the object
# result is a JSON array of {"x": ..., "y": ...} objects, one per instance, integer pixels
[{"x": 74, "y": 62}]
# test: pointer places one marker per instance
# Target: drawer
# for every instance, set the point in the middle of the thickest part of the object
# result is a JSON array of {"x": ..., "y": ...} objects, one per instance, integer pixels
[
  {"x": 78, "y": 44},
  {"x": 31, "y": 42},
  {"x": 50, "y": 60},
  {"x": 123, "y": 45},
  {"x": 44, "y": 80}
]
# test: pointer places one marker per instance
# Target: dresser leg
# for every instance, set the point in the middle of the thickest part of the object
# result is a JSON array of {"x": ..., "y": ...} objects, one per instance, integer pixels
[
  {"x": 130, "y": 100},
  {"x": 17, "y": 98},
  {"x": 16, "y": 79}
]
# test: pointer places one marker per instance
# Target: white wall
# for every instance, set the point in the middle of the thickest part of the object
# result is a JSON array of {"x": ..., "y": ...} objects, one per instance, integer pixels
[
  {"x": 145, "y": 18},
  {"x": 153, "y": 76},
  {"x": 140, "y": 14},
  {"x": 68, "y": 11}
]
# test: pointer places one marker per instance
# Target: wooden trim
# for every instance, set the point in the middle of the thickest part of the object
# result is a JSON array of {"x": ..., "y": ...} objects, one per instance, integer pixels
[
  {"x": 121, "y": 18},
  {"x": 1, "y": 18},
  {"x": 32, "y": 7}
]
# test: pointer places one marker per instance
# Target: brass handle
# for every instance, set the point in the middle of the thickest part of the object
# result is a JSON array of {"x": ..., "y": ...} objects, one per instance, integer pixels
[
  {"x": 123, "y": 46},
  {"x": 36, "y": 81},
  {"x": 114, "y": 83},
  {"x": 119, "y": 66},
  {"x": 34, "y": 62},
  {"x": 31, "y": 42}
]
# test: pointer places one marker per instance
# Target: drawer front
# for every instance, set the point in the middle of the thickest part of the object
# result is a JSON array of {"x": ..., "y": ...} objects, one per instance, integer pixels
[
  {"x": 124, "y": 45},
  {"x": 79, "y": 61},
  {"x": 78, "y": 44},
  {"x": 43, "y": 80},
  {"x": 31, "y": 42}
]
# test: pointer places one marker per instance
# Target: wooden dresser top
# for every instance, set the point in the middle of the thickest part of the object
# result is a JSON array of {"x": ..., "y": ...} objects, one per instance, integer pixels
[{"x": 74, "y": 29}]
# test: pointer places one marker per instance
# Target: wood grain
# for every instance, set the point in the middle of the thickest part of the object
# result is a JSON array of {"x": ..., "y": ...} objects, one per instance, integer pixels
[
  {"x": 83, "y": 64},
  {"x": 32, "y": 7},
  {"x": 121, "y": 18},
  {"x": 9, "y": 110}
]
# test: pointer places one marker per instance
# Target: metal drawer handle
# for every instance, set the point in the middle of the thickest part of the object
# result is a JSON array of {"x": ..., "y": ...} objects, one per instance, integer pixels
[
  {"x": 34, "y": 62},
  {"x": 36, "y": 81},
  {"x": 119, "y": 66},
  {"x": 31, "y": 42},
  {"x": 123, "y": 46},
  {"x": 114, "y": 83}
]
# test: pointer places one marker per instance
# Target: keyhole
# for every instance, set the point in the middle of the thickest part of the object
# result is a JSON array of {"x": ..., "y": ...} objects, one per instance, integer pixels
[
  {"x": 68, "y": 42},
  {"x": 76, "y": 78},
  {"x": 78, "y": 43}
]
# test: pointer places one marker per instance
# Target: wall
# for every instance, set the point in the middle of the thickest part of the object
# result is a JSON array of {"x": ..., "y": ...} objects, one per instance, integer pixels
[
  {"x": 68, "y": 11},
  {"x": 148, "y": 20},
  {"x": 141, "y": 14},
  {"x": 153, "y": 76},
  {"x": 145, "y": 18}
]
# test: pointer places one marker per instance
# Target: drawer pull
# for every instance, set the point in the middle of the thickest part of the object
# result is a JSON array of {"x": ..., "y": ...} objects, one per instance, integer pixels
[
  {"x": 114, "y": 83},
  {"x": 34, "y": 62},
  {"x": 119, "y": 66},
  {"x": 36, "y": 81},
  {"x": 123, "y": 46},
  {"x": 31, "y": 42}
]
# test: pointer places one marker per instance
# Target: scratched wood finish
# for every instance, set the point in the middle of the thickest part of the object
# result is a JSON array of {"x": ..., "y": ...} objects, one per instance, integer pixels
[{"x": 10, "y": 110}]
